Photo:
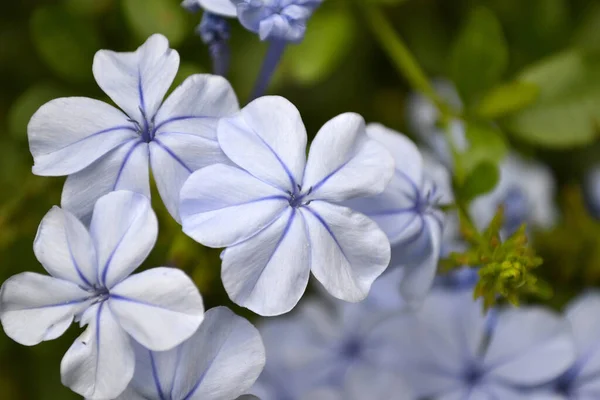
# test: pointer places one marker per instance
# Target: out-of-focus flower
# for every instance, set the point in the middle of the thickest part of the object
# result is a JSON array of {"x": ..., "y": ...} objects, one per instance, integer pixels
[
  {"x": 526, "y": 191},
  {"x": 452, "y": 351},
  {"x": 219, "y": 362},
  {"x": 409, "y": 212},
  {"x": 277, "y": 213},
  {"x": 591, "y": 190},
  {"x": 103, "y": 149},
  {"x": 90, "y": 283}
]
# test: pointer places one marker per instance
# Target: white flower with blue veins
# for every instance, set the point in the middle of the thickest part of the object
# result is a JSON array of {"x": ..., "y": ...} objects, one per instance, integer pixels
[
  {"x": 103, "y": 149},
  {"x": 276, "y": 211},
  {"x": 271, "y": 19},
  {"x": 452, "y": 351},
  {"x": 221, "y": 361},
  {"x": 409, "y": 212},
  {"x": 90, "y": 283}
]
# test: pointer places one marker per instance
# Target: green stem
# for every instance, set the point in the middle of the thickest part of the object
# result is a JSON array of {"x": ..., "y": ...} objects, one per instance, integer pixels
[{"x": 400, "y": 55}]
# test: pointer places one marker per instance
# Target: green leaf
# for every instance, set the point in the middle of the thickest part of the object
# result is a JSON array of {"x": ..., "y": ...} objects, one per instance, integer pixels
[
  {"x": 88, "y": 7},
  {"x": 146, "y": 17},
  {"x": 66, "y": 44},
  {"x": 567, "y": 112},
  {"x": 486, "y": 144},
  {"x": 506, "y": 99},
  {"x": 481, "y": 180},
  {"x": 479, "y": 56},
  {"x": 329, "y": 39},
  {"x": 23, "y": 108}
]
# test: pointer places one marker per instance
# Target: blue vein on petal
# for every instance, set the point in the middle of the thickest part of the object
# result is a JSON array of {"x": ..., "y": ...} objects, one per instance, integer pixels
[
  {"x": 410, "y": 182},
  {"x": 155, "y": 377},
  {"x": 188, "y": 134},
  {"x": 125, "y": 160},
  {"x": 98, "y": 342},
  {"x": 176, "y": 370},
  {"x": 172, "y": 154},
  {"x": 332, "y": 173},
  {"x": 208, "y": 367},
  {"x": 75, "y": 264},
  {"x": 283, "y": 165},
  {"x": 180, "y": 118},
  {"x": 107, "y": 130},
  {"x": 136, "y": 301},
  {"x": 326, "y": 226},
  {"x": 283, "y": 235},
  {"x": 66, "y": 303},
  {"x": 110, "y": 257}
]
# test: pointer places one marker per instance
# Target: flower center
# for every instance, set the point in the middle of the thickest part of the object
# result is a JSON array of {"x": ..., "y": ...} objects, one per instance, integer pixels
[
  {"x": 352, "y": 348},
  {"x": 298, "y": 199},
  {"x": 146, "y": 128},
  {"x": 428, "y": 200},
  {"x": 473, "y": 375},
  {"x": 100, "y": 294}
]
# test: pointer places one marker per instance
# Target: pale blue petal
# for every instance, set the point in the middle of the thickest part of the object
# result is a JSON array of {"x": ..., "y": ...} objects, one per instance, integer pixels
[
  {"x": 529, "y": 347},
  {"x": 65, "y": 249},
  {"x": 100, "y": 363},
  {"x": 68, "y": 134},
  {"x": 268, "y": 273},
  {"x": 420, "y": 258},
  {"x": 159, "y": 308},
  {"x": 124, "y": 168},
  {"x": 36, "y": 307},
  {"x": 222, "y": 360},
  {"x": 267, "y": 139},
  {"x": 344, "y": 163},
  {"x": 225, "y": 8},
  {"x": 137, "y": 81},
  {"x": 348, "y": 250},
  {"x": 581, "y": 314},
  {"x": 365, "y": 382},
  {"x": 223, "y": 205},
  {"x": 279, "y": 27},
  {"x": 124, "y": 229}
]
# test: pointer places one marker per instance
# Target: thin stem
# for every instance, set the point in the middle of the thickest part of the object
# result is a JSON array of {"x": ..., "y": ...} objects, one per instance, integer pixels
[
  {"x": 400, "y": 55},
  {"x": 220, "y": 57},
  {"x": 274, "y": 54}
]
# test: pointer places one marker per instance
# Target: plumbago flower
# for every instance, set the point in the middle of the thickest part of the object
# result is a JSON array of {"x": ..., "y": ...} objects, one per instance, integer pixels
[
  {"x": 276, "y": 213},
  {"x": 582, "y": 380},
  {"x": 452, "y": 351},
  {"x": 408, "y": 211},
  {"x": 325, "y": 346},
  {"x": 90, "y": 283},
  {"x": 103, "y": 149},
  {"x": 219, "y": 362}
]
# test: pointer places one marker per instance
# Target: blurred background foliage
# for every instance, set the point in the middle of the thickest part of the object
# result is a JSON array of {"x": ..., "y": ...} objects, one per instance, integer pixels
[{"x": 528, "y": 73}]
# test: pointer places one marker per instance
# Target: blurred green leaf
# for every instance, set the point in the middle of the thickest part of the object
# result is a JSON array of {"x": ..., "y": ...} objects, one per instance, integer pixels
[
  {"x": 567, "y": 112},
  {"x": 386, "y": 2},
  {"x": 587, "y": 35},
  {"x": 479, "y": 56},
  {"x": 66, "y": 44},
  {"x": 482, "y": 179},
  {"x": 147, "y": 17},
  {"x": 185, "y": 71},
  {"x": 507, "y": 98},
  {"x": 329, "y": 39},
  {"x": 23, "y": 108},
  {"x": 486, "y": 144},
  {"x": 88, "y": 7}
]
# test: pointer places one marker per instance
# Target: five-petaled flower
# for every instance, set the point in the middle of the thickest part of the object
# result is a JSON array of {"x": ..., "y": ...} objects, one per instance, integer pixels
[
  {"x": 219, "y": 362},
  {"x": 271, "y": 19},
  {"x": 409, "y": 213},
  {"x": 103, "y": 149},
  {"x": 90, "y": 283},
  {"x": 276, "y": 211}
]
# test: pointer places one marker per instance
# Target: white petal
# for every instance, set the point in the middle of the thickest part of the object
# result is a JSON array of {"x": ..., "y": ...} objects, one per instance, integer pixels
[
  {"x": 137, "y": 81},
  {"x": 268, "y": 139},
  {"x": 222, "y": 360},
  {"x": 268, "y": 273},
  {"x": 124, "y": 168},
  {"x": 407, "y": 157},
  {"x": 348, "y": 250},
  {"x": 344, "y": 163},
  {"x": 223, "y": 205},
  {"x": 124, "y": 229},
  {"x": 68, "y": 134},
  {"x": 196, "y": 105},
  {"x": 421, "y": 255},
  {"x": 174, "y": 158},
  {"x": 100, "y": 363},
  {"x": 529, "y": 346},
  {"x": 36, "y": 307},
  {"x": 586, "y": 330},
  {"x": 159, "y": 308},
  {"x": 65, "y": 249},
  {"x": 219, "y": 7}
]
